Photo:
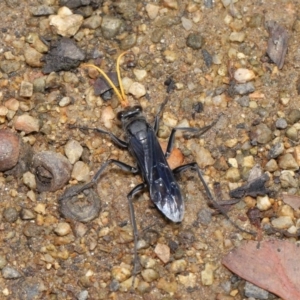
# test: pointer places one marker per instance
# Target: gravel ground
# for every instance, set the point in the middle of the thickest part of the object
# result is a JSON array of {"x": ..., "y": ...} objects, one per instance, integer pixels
[{"x": 216, "y": 59}]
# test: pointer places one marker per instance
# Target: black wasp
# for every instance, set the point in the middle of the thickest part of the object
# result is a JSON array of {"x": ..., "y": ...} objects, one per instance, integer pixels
[{"x": 142, "y": 143}]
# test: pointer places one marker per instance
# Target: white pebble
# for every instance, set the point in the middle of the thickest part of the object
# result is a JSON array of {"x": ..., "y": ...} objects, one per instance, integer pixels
[
  {"x": 62, "y": 229},
  {"x": 64, "y": 101},
  {"x": 152, "y": 10},
  {"x": 137, "y": 90},
  {"x": 263, "y": 202},
  {"x": 140, "y": 74},
  {"x": 186, "y": 23},
  {"x": 65, "y": 22},
  {"x": 107, "y": 116},
  {"x": 243, "y": 75},
  {"x": 73, "y": 151},
  {"x": 81, "y": 171}
]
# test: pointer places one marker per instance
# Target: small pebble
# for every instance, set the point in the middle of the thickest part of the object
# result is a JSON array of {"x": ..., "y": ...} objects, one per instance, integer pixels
[
  {"x": 292, "y": 133},
  {"x": 10, "y": 273},
  {"x": 110, "y": 26},
  {"x": 140, "y": 74},
  {"x": 187, "y": 24},
  {"x": 297, "y": 154},
  {"x": 287, "y": 179},
  {"x": 248, "y": 161},
  {"x": 263, "y": 203},
  {"x": 62, "y": 229},
  {"x": 73, "y": 151},
  {"x": 276, "y": 150},
  {"x": 29, "y": 180},
  {"x": 242, "y": 75},
  {"x": 285, "y": 210},
  {"x": 81, "y": 171},
  {"x": 233, "y": 174},
  {"x": 107, "y": 116},
  {"x": 10, "y": 214},
  {"x": 163, "y": 252},
  {"x": 149, "y": 275},
  {"x": 3, "y": 111},
  {"x": 189, "y": 281},
  {"x": 287, "y": 162},
  {"x": 283, "y": 222},
  {"x": 167, "y": 286},
  {"x": 9, "y": 66},
  {"x": 170, "y": 56},
  {"x": 137, "y": 90},
  {"x": 129, "y": 41},
  {"x": 42, "y": 10},
  {"x": 293, "y": 116},
  {"x": 40, "y": 208},
  {"x": 27, "y": 214},
  {"x": 178, "y": 266},
  {"x": 144, "y": 287},
  {"x": 202, "y": 156},
  {"x": 83, "y": 295},
  {"x": 205, "y": 216},
  {"x": 127, "y": 284},
  {"x": 237, "y": 37},
  {"x": 261, "y": 134},
  {"x": 244, "y": 88},
  {"x": 120, "y": 273},
  {"x": 147, "y": 262},
  {"x": 26, "y": 89},
  {"x": 254, "y": 291},
  {"x": 281, "y": 123},
  {"x": 170, "y": 4},
  {"x": 12, "y": 104},
  {"x": 152, "y": 10},
  {"x": 65, "y": 101},
  {"x": 195, "y": 41},
  {"x": 92, "y": 22},
  {"x": 65, "y": 23},
  {"x": 26, "y": 123},
  {"x": 3, "y": 261},
  {"x": 207, "y": 275},
  {"x": 271, "y": 165}
]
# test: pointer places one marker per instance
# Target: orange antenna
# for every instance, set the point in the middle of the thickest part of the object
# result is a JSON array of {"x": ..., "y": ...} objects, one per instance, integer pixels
[{"x": 120, "y": 94}]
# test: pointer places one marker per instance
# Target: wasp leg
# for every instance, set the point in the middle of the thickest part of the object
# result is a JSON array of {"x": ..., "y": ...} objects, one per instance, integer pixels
[
  {"x": 194, "y": 166},
  {"x": 130, "y": 196},
  {"x": 114, "y": 138},
  {"x": 157, "y": 117},
  {"x": 197, "y": 131},
  {"x": 96, "y": 177}
]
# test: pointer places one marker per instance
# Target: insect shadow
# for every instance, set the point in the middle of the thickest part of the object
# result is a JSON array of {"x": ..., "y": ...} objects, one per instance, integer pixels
[{"x": 151, "y": 162}]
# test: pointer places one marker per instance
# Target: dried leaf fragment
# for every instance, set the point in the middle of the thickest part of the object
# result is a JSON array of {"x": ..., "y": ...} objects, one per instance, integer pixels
[
  {"x": 277, "y": 43},
  {"x": 273, "y": 265}
]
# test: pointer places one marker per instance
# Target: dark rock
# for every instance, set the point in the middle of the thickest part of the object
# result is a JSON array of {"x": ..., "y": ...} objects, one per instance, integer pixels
[
  {"x": 281, "y": 123},
  {"x": 194, "y": 41},
  {"x": 293, "y": 116},
  {"x": 42, "y": 10},
  {"x": 63, "y": 56},
  {"x": 244, "y": 88},
  {"x": 253, "y": 188},
  {"x": 10, "y": 214},
  {"x": 207, "y": 58},
  {"x": 254, "y": 291},
  {"x": 10, "y": 273},
  {"x": 78, "y": 3}
]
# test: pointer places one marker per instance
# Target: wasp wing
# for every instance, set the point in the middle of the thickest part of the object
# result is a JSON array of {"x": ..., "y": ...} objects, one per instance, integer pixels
[{"x": 164, "y": 190}]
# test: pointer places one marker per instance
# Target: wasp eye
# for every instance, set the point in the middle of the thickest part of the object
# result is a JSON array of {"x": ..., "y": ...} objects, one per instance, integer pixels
[
  {"x": 137, "y": 108},
  {"x": 120, "y": 115}
]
